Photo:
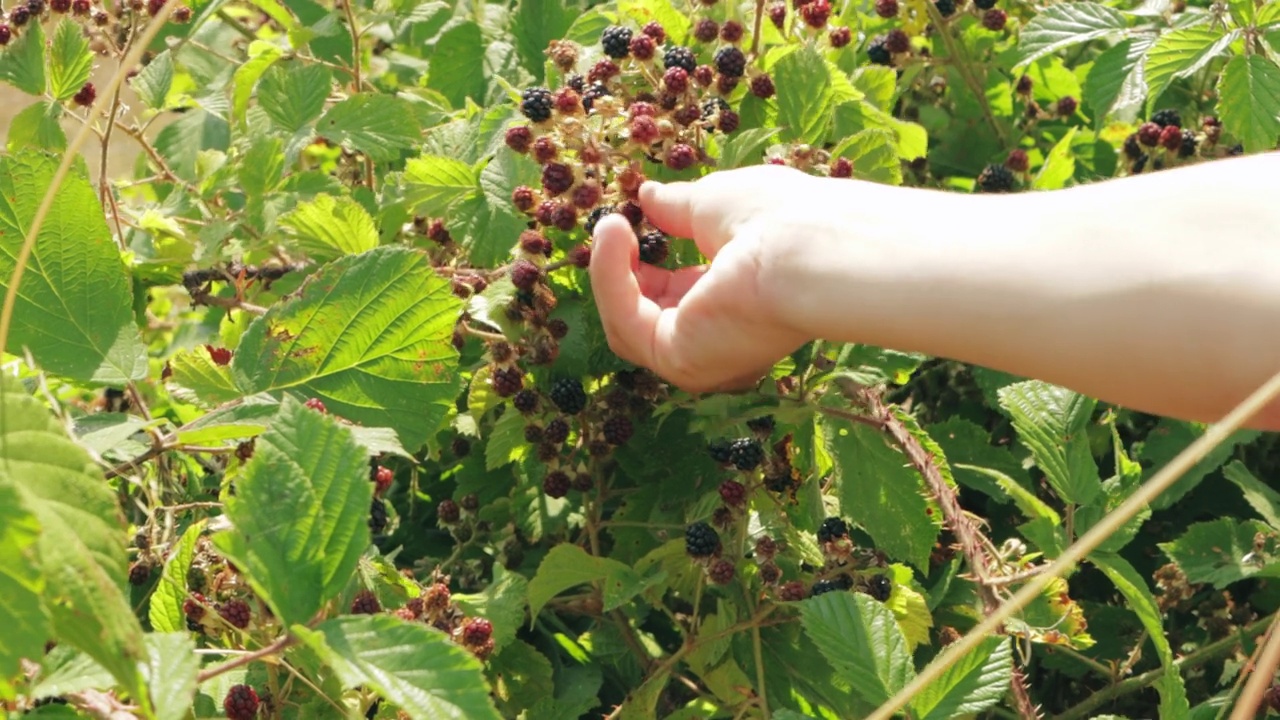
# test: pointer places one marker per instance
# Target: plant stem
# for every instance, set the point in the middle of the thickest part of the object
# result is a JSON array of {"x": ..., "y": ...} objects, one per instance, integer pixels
[
  {"x": 960, "y": 56},
  {"x": 758, "y": 651},
  {"x": 1260, "y": 676},
  {"x": 281, "y": 644}
]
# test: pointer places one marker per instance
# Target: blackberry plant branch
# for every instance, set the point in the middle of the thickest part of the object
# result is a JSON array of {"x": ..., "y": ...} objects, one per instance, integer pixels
[
  {"x": 964, "y": 65},
  {"x": 281, "y": 644},
  {"x": 1261, "y": 675}
]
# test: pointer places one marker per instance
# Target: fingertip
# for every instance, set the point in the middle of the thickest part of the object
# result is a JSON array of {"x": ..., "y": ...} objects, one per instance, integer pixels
[{"x": 669, "y": 206}]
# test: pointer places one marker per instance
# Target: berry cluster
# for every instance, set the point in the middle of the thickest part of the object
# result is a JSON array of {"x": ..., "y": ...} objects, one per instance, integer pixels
[
  {"x": 1162, "y": 140},
  {"x": 434, "y": 606}
]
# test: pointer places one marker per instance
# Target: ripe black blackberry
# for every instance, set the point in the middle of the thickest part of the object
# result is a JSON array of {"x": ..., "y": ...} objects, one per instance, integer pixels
[
  {"x": 19, "y": 16},
  {"x": 618, "y": 430},
  {"x": 878, "y": 51},
  {"x": 536, "y": 103},
  {"x": 879, "y": 587},
  {"x": 721, "y": 451},
  {"x": 365, "y": 603},
  {"x": 556, "y": 431},
  {"x": 377, "y": 517},
  {"x": 236, "y": 613},
  {"x": 730, "y": 61},
  {"x": 701, "y": 540},
  {"x": 1189, "y": 142},
  {"x": 822, "y": 587},
  {"x": 241, "y": 703},
  {"x": 832, "y": 528},
  {"x": 762, "y": 86},
  {"x": 984, "y": 4},
  {"x": 762, "y": 425},
  {"x": 616, "y": 41},
  {"x": 594, "y": 92},
  {"x": 568, "y": 395},
  {"x": 557, "y": 328},
  {"x": 746, "y": 454},
  {"x": 946, "y": 8},
  {"x": 897, "y": 41},
  {"x": 460, "y": 446},
  {"x": 507, "y": 381},
  {"x": 996, "y": 178},
  {"x": 594, "y": 217},
  {"x": 679, "y": 56},
  {"x": 139, "y": 573},
  {"x": 533, "y": 434},
  {"x": 1166, "y": 117},
  {"x": 654, "y": 247},
  {"x": 713, "y": 106},
  {"x": 557, "y": 484},
  {"x": 1132, "y": 148},
  {"x": 526, "y": 401},
  {"x": 448, "y": 511}
]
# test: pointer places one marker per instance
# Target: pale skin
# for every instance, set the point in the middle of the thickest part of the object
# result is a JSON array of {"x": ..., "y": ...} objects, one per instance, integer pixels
[{"x": 1160, "y": 292}]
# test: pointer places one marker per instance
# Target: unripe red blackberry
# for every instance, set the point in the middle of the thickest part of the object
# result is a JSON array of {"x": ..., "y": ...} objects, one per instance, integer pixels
[
  {"x": 721, "y": 572},
  {"x": 545, "y": 211},
  {"x": 675, "y": 80},
  {"x": 365, "y": 603},
  {"x": 81, "y": 7},
  {"x": 501, "y": 351},
  {"x": 701, "y": 540},
  {"x": 643, "y": 47},
  {"x": 181, "y": 15},
  {"x": 729, "y": 121},
  {"x": 644, "y": 131},
  {"x": 706, "y": 30},
  {"x": 580, "y": 256},
  {"x": 726, "y": 84},
  {"x": 1171, "y": 138},
  {"x": 602, "y": 72},
  {"x": 1017, "y": 160},
  {"x": 507, "y": 381},
  {"x": 654, "y": 30},
  {"x": 315, "y": 404},
  {"x": 732, "y": 31},
  {"x": 448, "y": 511},
  {"x": 557, "y": 484},
  {"x": 841, "y": 168},
  {"x": 60, "y": 6},
  {"x": 533, "y": 242},
  {"x": 640, "y": 108},
  {"x": 193, "y": 608},
  {"x": 557, "y": 178},
  {"x": 469, "y": 502},
  {"x": 654, "y": 247},
  {"x": 568, "y": 395},
  {"x": 556, "y": 431},
  {"x": 1149, "y": 134},
  {"x": 524, "y": 274},
  {"x": 557, "y": 328},
  {"x": 476, "y": 631},
  {"x": 1067, "y": 106},
  {"x": 816, "y": 13},
  {"x": 679, "y": 56},
  {"x": 1272, "y": 697},
  {"x": 536, "y": 104},
  {"x": 687, "y": 115},
  {"x": 730, "y": 61},
  {"x": 564, "y": 217},
  {"x": 994, "y": 19},
  {"x": 777, "y": 14},
  {"x": 382, "y": 478},
  {"x": 155, "y": 6},
  {"x": 524, "y": 198},
  {"x": 6, "y": 34},
  {"x": 87, "y": 94},
  {"x": 567, "y": 101},
  {"x": 770, "y": 573},
  {"x": 887, "y": 8},
  {"x": 632, "y": 212},
  {"x": 19, "y": 16},
  {"x": 618, "y": 430},
  {"x": 241, "y": 703},
  {"x": 236, "y": 612},
  {"x": 995, "y": 179},
  {"x": 616, "y": 41},
  {"x": 733, "y": 493},
  {"x": 563, "y": 54},
  {"x": 586, "y": 195},
  {"x": 762, "y": 86},
  {"x": 681, "y": 157},
  {"x": 766, "y": 548},
  {"x": 101, "y": 19},
  {"x": 519, "y": 138},
  {"x": 897, "y": 41},
  {"x": 840, "y": 36}
]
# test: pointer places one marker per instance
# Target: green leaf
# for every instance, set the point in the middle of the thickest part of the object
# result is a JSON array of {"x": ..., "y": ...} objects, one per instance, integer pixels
[
  {"x": 293, "y": 95},
  {"x": 432, "y": 184},
  {"x": 379, "y": 126},
  {"x": 277, "y": 11},
  {"x": 1171, "y": 437},
  {"x": 37, "y": 127},
  {"x": 744, "y": 148},
  {"x": 1181, "y": 53},
  {"x": 873, "y": 155},
  {"x": 860, "y": 637},
  {"x": 66, "y": 670},
  {"x": 22, "y": 60},
  {"x": 1215, "y": 552},
  {"x": 198, "y": 379},
  {"x": 261, "y": 56},
  {"x": 70, "y": 62},
  {"x": 978, "y": 680},
  {"x": 81, "y": 549},
  {"x": 1059, "y": 165},
  {"x": 967, "y": 444},
  {"x": 1051, "y": 421},
  {"x": 181, "y": 142},
  {"x": 568, "y": 566},
  {"x": 370, "y": 335},
  {"x": 1066, "y": 24},
  {"x": 21, "y": 583},
  {"x": 1249, "y": 101},
  {"x": 1114, "y": 82},
  {"x": 165, "y": 611},
  {"x": 879, "y": 491},
  {"x": 415, "y": 667},
  {"x": 805, "y": 97},
  {"x": 502, "y": 603},
  {"x": 455, "y": 69},
  {"x": 535, "y": 24},
  {"x": 153, "y": 82},
  {"x": 74, "y": 309},
  {"x": 506, "y": 441},
  {"x": 674, "y": 20},
  {"x": 1173, "y": 696},
  {"x": 171, "y": 673},
  {"x": 1259, "y": 495},
  {"x": 527, "y": 680},
  {"x": 300, "y": 513},
  {"x": 329, "y": 227}
]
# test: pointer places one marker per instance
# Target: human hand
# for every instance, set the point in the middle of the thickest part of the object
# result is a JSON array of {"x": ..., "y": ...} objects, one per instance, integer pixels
[{"x": 711, "y": 327}]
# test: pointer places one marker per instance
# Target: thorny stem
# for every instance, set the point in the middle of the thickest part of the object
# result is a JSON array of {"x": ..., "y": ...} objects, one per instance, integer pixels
[
  {"x": 281, "y": 644},
  {"x": 964, "y": 65},
  {"x": 1027, "y": 710},
  {"x": 1260, "y": 675}
]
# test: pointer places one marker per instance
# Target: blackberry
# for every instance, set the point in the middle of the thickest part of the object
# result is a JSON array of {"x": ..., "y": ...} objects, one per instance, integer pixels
[
  {"x": 1140, "y": 164},
  {"x": 81, "y": 7},
  {"x": 1066, "y": 106},
  {"x": 181, "y": 15},
  {"x": 792, "y": 591},
  {"x": 36, "y": 7},
  {"x": 236, "y": 613},
  {"x": 706, "y": 30},
  {"x": 1017, "y": 160},
  {"x": 524, "y": 275},
  {"x": 840, "y": 37},
  {"x": 823, "y": 587},
  {"x": 721, "y": 572},
  {"x": 557, "y": 178},
  {"x": 315, "y": 404},
  {"x": 878, "y": 51},
  {"x": 556, "y": 431},
  {"x": 733, "y": 493},
  {"x": 679, "y": 56},
  {"x": 984, "y": 4},
  {"x": 583, "y": 482},
  {"x": 897, "y": 41},
  {"x": 139, "y": 573},
  {"x": 880, "y": 587},
  {"x": 5, "y": 34},
  {"x": 460, "y": 446},
  {"x": 777, "y": 14},
  {"x": 377, "y": 517},
  {"x": 524, "y": 198},
  {"x": 1149, "y": 134},
  {"x": 436, "y": 599},
  {"x": 831, "y": 529},
  {"x": 644, "y": 131},
  {"x": 19, "y": 16},
  {"x": 616, "y": 41},
  {"x": 568, "y": 395},
  {"x": 557, "y": 484},
  {"x": 681, "y": 157},
  {"x": 365, "y": 603},
  {"x": 557, "y": 328},
  {"x": 241, "y": 703},
  {"x": 382, "y": 479},
  {"x": 618, "y": 430},
  {"x": 701, "y": 540},
  {"x": 675, "y": 80},
  {"x": 60, "y": 6},
  {"x": 995, "y": 178},
  {"x": 193, "y": 607},
  {"x": 602, "y": 71},
  {"x": 526, "y": 401},
  {"x": 448, "y": 511},
  {"x": 770, "y": 573},
  {"x": 946, "y": 8},
  {"x": 732, "y": 31},
  {"x": 653, "y": 247},
  {"x": 994, "y": 19},
  {"x": 762, "y": 86},
  {"x": 713, "y": 106},
  {"x": 536, "y": 103},
  {"x": 533, "y": 433},
  {"x": 594, "y": 217},
  {"x": 730, "y": 61},
  {"x": 887, "y": 8},
  {"x": 519, "y": 138},
  {"x": 726, "y": 84},
  {"x": 687, "y": 115},
  {"x": 577, "y": 82},
  {"x": 766, "y": 548},
  {"x": 746, "y": 454},
  {"x": 476, "y": 631},
  {"x": 564, "y": 217},
  {"x": 721, "y": 451},
  {"x": 1132, "y": 148},
  {"x": 507, "y": 381},
  {"x": 1166, "y": 118},
  {"x": 763, "y": 425},
  {"x": 594, "y": 92},
  {"x": 86, "y": 95},
  {"x": 816, "y": 13},
  {"x": 729, "y": 121},
  {"x": 643, "y": 48},
  {"x": 654, "y": 30},
  {"x": 1189, "y": 142},
  {"x": 470, "y": 502},
  {"x": 1171, "y": 138},
  {"x": 1025, "y": 83}
]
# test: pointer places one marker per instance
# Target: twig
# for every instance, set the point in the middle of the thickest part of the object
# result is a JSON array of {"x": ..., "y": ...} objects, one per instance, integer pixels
[
  {"x": 961, "y": 57},
  {"x": 1261, "y": 675},
  {"x": 1027, "y": 710},
  {"x": 281, "y": 644},
  {"x": 755, "y": 33}
]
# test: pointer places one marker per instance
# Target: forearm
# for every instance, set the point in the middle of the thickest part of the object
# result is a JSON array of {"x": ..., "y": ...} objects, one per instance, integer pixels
[{"x": 1142, "y": 292}]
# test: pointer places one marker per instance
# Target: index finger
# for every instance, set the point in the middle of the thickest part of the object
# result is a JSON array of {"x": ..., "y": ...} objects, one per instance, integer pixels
[{"x": 630, "y": 318}]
